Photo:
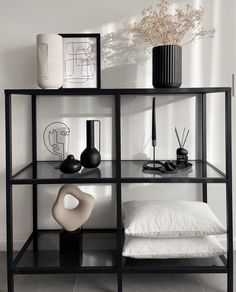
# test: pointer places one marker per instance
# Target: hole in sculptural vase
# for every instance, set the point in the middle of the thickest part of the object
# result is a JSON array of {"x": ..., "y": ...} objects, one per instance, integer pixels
[{"x": 70, "y": 202}]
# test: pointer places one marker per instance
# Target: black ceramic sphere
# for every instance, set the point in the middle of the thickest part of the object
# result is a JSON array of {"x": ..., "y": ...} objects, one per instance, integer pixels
[
  {"x": 90, "y": 157},
  {"x": 167, "y": 66},
  {"x": 70, "y": 165}
]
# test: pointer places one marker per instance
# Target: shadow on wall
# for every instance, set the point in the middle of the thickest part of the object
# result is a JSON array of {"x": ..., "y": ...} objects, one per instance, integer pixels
[
  {"x": 19, "y": 67},
  {"x": 134, "y": 104},
  {"x": 127, "y": 59},
  {"x": 161, "y": 192},
  {"x": 122, "y": 56}
]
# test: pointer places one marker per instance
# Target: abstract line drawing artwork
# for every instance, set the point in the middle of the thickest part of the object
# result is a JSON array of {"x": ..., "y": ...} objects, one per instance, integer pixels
[
  {"x": 80, "y": 62},
  {"x": 55, "y": 137},
  {"x": 80, "y": 67}
]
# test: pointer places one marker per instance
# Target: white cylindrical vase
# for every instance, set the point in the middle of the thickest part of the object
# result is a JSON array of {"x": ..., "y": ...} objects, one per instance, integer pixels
[{"x": 49, "y": 61}]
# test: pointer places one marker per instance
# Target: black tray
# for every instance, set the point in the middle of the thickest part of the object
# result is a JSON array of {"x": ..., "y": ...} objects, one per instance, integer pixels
[{"x": 161, "y": 168}]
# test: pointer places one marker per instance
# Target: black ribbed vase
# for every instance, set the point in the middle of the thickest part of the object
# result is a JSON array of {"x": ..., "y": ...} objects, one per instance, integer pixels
[{"x": 167, "y": 66}]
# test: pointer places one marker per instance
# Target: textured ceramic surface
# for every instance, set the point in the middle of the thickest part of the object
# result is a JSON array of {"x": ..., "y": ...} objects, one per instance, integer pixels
[
  {"x": 72, "y": 219},
  {"x": 167, "y": 66},
  {"x": 49, "y": 61}
]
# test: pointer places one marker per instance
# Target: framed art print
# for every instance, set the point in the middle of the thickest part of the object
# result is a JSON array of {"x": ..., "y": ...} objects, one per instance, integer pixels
[{"x": 81, "y": 61}]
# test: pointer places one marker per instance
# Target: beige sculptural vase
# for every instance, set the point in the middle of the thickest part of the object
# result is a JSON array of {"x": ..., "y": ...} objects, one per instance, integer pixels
[
  {"x": 72, "y": 219},
  {"x": 49, "y": 61}
]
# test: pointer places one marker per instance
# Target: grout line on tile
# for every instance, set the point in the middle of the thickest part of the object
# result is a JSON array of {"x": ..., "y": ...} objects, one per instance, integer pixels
[
  {"x": 200, "y": 284},
  {"x": 76, "y": 281}
]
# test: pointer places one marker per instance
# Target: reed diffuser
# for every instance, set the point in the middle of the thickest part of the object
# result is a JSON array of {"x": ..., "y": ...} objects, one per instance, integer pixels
[{"x": 181, "y": 152}]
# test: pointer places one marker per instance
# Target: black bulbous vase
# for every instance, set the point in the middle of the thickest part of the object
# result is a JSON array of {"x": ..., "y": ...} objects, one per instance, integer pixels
[
  {"x": 91, "y": 157},
  {"x": 70, "y": 165}
]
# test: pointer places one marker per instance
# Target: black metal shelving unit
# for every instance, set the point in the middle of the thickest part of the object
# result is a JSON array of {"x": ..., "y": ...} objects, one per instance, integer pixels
[{"x": 32, "y": 260}]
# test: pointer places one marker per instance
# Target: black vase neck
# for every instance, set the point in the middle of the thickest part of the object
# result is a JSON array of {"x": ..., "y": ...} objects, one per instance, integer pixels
[{"x": 90, "y": 133}]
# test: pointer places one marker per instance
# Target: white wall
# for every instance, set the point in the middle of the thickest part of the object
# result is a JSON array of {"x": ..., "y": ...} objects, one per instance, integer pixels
[{"x": 205, "y": 63}]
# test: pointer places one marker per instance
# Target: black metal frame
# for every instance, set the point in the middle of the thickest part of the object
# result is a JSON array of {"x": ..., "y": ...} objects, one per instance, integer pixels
[
  {"x": 98, "y": 48},
  {"x": 120, "y": 267}
]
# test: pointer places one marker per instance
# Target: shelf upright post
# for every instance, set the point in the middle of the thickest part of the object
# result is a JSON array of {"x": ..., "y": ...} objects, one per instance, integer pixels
[
  {"x": 9, "y": 218},
  {"x": 204, "y": 144},
  {"x": 118, "y": 191},
  {"x": 34, "y": 163},
  {"x": 229, "y": 201}
]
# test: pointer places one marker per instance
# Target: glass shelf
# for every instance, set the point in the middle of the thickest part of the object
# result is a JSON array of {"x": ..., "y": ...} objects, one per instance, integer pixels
[
  {"x": 98, "y": 252},
  {"x": 46, "y": 172},
  {"x": 218, "y": 264},
  {"x": 132, "y": 171}
]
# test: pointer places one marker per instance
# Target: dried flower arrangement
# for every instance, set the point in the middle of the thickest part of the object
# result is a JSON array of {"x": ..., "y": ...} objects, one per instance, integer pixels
[{"x": 158, "y": 27}]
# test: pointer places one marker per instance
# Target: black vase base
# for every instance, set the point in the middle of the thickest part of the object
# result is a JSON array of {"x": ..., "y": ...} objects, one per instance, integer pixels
[
  {"x": 70, "y": 242},
  {"x": 71, "y": 259},
  {"x": 150, "y": 167},
  {"x": 70, "y": 245},
  {"x": 167, "y": 86}
]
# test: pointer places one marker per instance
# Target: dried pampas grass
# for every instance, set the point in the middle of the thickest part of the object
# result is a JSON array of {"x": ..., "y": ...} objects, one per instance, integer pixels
[{"x": 158, "y": 27}]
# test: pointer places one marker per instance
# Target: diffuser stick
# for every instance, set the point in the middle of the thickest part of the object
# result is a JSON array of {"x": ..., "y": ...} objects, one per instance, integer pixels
[
  {"x": 177, "y": 135},
  {"x": 182, "y": 140},
  {"x": 186, "y": 138}
]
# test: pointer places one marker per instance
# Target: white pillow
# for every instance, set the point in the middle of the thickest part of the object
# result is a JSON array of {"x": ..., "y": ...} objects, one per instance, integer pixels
[
  {"x": 167, "y": 248},
  {"x": 168, "y": 219}
]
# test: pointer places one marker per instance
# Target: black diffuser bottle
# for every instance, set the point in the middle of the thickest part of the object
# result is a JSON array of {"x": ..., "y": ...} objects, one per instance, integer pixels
[
  {"x": 90, "y": 157},
  {"x": 181, "y": 152}
]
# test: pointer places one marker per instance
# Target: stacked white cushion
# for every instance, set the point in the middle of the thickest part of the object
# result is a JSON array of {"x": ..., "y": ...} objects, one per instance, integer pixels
[
  {"x": 167, "y": 248},
  {"x": 170, "y": 229},
  {"x": 168, "y": 219}
]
